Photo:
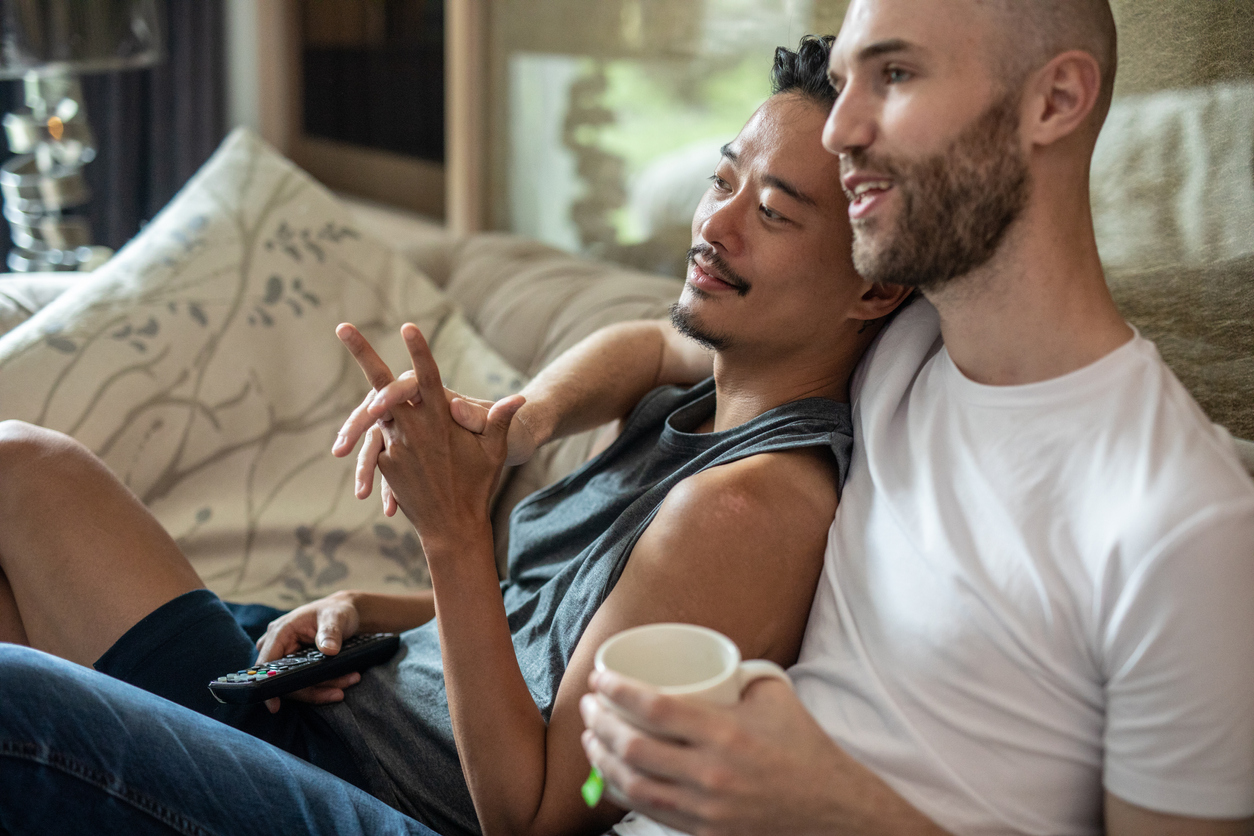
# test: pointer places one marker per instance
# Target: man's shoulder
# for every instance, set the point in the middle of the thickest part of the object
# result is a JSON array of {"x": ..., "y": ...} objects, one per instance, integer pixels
[
  {"x": 773, "y": 496},
  {"x": 1175, "y": 442}
]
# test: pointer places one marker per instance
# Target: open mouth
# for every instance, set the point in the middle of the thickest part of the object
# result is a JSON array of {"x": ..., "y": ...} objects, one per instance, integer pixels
[{"x": 865, "y": 195}]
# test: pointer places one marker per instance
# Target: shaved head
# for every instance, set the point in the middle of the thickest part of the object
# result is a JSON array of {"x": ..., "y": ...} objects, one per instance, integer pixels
[{"x": 1027, "y": 34}]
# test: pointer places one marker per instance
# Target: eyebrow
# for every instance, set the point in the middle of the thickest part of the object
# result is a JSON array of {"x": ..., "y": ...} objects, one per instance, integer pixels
[
  {"x": 789, "y": 189},
  {"x": 883, "y": 48},
  {"x": 771, "y": 180},
  {"x": 875, "y": 50}
]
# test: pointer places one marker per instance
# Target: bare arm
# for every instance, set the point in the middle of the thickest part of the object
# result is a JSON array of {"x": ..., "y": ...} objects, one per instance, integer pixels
[
  {"x": 766, "y": 766},
  {"x": 738, "y": 551},
  {"x": 596, "y": 381},
  {"x": 604, "y": 376},
  {"x": 1124, "y": 819},
  {"x": 738, "y": 547},
  {"x": 762, "y": 766}
]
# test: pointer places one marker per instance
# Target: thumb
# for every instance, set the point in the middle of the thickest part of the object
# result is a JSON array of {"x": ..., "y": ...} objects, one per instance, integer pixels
[
  {"x": 330, "y": 631},
  {"x": 499, "y": 418},
  {"x": 471, "y": 416}
]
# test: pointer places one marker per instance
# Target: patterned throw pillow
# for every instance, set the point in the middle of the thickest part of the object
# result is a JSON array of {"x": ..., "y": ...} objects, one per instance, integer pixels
[{"x": 201, "y": 364}]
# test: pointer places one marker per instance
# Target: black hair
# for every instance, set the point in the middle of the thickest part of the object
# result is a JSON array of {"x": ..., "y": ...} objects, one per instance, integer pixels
[{"x": 805, "y": 71}]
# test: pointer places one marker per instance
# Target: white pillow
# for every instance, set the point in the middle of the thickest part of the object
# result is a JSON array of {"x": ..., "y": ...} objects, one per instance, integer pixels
[
  {"x": 201, "y": 364},
  {"x": 21, "y": 294},
  {"x": 1172, "y": 179}
]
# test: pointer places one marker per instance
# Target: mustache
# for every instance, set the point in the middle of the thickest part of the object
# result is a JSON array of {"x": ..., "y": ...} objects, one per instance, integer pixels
[{"x": 724, "y": 270}]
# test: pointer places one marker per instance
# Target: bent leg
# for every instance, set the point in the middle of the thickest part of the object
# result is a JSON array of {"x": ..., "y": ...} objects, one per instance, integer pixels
[
  {"x": 81, "y": 752},
  {"x": 82, "y": 556}
]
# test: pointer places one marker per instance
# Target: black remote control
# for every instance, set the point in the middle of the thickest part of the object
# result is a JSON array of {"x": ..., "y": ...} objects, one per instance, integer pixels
[{"x": 307, "y": 666}]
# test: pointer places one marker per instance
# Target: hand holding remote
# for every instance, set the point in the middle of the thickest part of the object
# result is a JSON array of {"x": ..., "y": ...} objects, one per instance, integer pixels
[{"x": 324, "y": 623}]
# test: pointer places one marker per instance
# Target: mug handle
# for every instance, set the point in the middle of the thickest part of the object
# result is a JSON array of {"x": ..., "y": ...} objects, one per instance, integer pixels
[{"x": 755, "y": 669}]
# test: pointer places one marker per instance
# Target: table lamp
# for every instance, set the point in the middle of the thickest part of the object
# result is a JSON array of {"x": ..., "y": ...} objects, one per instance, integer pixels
[{"x": 48, "y": 44}]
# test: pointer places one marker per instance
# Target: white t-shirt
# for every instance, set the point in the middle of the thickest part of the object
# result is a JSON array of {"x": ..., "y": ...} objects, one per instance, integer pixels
[{"x": 1032, "y": 593}]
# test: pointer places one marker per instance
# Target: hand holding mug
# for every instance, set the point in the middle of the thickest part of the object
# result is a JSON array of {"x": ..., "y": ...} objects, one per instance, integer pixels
[{"x": 683, "y": 660}]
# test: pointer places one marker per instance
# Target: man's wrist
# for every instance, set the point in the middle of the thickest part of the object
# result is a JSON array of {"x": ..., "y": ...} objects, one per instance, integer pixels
[{"x": 537, "y": 423}]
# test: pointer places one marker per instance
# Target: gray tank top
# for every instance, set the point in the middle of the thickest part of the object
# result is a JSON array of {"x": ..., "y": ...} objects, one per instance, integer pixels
[{"x": 568, "y": 545}]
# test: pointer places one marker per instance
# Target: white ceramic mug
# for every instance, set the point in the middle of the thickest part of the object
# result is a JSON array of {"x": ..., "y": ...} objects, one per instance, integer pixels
[{"x": 684, "y": 660}]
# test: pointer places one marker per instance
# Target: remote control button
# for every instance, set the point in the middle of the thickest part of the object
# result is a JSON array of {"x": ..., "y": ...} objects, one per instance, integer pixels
[{"x": 272, "y": 673}]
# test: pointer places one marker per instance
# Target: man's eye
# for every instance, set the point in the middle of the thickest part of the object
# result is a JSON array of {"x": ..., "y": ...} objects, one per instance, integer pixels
[
  {"x": 895, "y": 75},
  {"x": 719, "y": 182},
  {"x": 769, "y": 213}
]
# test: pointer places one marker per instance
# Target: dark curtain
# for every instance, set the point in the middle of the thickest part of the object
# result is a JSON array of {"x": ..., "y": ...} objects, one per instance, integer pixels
[{"x": 154, "y": 127}]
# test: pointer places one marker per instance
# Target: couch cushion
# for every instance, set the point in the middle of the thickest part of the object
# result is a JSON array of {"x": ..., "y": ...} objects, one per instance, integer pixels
[
  {"x": 1173, "y": 180},
  {"x": 201, "y": 364},
  {"x": 532, "y": 302},
  {"x": 22, "y": 294}
]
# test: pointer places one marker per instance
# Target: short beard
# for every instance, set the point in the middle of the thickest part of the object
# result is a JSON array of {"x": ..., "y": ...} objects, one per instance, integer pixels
[
  {"x": 686, "y": 324},
  {"x": 957, "y": 205}
]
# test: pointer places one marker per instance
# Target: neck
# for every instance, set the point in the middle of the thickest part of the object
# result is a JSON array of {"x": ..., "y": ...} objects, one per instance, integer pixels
[
  {"x": 748, "y": 384},
  {"x": 1039, "y": 309}
]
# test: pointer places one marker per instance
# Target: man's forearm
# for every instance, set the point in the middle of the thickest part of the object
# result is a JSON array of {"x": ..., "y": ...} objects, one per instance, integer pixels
[{"x": 604, "y": 376}]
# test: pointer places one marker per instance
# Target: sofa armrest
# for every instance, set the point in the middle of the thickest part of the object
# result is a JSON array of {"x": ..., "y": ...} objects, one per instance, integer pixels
[{"x": 23, "y": 294}]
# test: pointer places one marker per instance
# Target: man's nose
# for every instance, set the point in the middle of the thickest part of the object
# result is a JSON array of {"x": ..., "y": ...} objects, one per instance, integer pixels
[
  {"x": 850, "y": 124},
  {"x": 723, "y": 227}
]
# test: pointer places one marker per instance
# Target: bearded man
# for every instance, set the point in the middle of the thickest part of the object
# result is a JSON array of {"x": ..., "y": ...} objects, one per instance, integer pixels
[{"x": 1036, "y": 608}]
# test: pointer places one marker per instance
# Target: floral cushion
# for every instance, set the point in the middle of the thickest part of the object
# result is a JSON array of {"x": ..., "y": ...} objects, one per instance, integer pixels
[{"x": 201, "y": 364}]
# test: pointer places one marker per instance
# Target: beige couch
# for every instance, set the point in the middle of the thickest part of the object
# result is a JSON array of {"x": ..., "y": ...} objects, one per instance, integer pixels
[
  {"x": 530, "y": 303},
  {"x": 527, "y": 301}
]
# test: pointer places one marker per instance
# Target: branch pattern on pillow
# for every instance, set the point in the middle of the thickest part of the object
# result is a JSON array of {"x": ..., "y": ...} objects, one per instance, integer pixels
[{"x": 201, "y": 365}]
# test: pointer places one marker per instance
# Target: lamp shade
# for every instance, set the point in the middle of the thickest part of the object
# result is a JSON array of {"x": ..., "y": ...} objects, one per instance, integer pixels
[{"x": 55, "y": 37}]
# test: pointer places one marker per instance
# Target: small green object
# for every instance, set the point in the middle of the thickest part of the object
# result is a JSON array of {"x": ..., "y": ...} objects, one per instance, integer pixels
[{"x": 592, "y": 788}]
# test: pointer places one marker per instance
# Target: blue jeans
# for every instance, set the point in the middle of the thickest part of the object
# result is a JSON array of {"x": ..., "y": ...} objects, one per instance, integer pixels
[{"x": 81, "y": 752}]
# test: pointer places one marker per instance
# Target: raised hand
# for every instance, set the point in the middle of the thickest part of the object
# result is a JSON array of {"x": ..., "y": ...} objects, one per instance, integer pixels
[
  {"x": 471, "y": 413},
  {"x": 375, "y": 411},
  {"x": 440, "y": 475}
]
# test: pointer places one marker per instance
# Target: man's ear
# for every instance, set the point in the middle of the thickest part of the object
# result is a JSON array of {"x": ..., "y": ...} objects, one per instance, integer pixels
[
  {"x": 1061, "y": 96},
  {"x": 879, "y": 300}
]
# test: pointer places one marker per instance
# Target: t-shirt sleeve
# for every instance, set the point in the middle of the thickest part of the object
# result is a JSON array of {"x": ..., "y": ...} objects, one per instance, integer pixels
[{"x": 1178, "y": 656}]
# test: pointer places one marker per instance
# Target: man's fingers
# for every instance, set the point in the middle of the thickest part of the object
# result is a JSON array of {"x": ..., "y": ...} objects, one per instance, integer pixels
[
  {"x": 389, "y": 498},
  {"x": 367, "y": 462},
  {"x": 631, "y": 789},
  {"x": 659, "y": 758},
  {"x": 326, "y": 692},
  {"x": 377, "y": 372},
  {"x": 403, "y": 389},
  {"x": 333, "y": 628},
  {"x": 470, "y": 415},
  {"x": 499, "y": 417},
  {"x": 659, "y": 714},
  {"x": 276, "y": 643},
  {"x": 428, "y": 373}
]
